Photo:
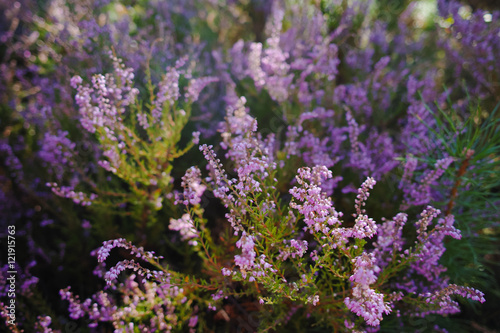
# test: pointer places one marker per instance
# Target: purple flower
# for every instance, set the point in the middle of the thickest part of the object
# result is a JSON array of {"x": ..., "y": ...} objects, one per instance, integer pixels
[
  {"x": 442, "y": 302},
  {"x": 196, "y": 86},
  {"x": 75, "y": 81},
  {"x": 389, "y": 239},
  {"x": 168, "y": 92},
  {"x": 186, "y": 228},
  {"x": 247, "y": 258},
  {"x": 317, "y": 208},
  {"x": 366, "y": 302},
  {"x": 293, "y": 248},
  {"x": 193, "y": 189},
  {"x": 420, "y": 193},
  {"x": 431, "y": 244},
  {"x": 68, "y": 192},
  {"x": 196, "y": 137}
]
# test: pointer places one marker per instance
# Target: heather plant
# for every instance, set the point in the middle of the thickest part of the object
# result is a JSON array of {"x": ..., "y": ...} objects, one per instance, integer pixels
[
  {"x": 338, "y": 186},
  {"x": 138, "y": 145},
  {"x": 41, "y": 127},
  {"x": 272, "y": 254}
]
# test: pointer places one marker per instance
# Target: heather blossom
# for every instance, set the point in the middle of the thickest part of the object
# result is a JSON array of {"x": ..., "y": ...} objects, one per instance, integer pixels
[
  {"x": 365, "y": 301},
  {"x": 79, "y": 198},
  {"x": 193, "y": 188},
  {"x": 196, "y": 86},
  {"x": 107, "y": 246},
  {"x": 442, "y": 302},
  {"x": 246, "y": 260},
  {"x": 111, "y": 95},
  {"x": 319, "y": 214},
  {"x": 420, "y": 193},
  {"x": 57, "y": 151},
  {"x": 168, "y": 92},
  {"x": 364, "y": 226},
  {"x": 432, "y": 245},
  {"x": 390, "y": 239},
  {"x": 294, "y": 249},
  {"x": 186, "y": 228}
]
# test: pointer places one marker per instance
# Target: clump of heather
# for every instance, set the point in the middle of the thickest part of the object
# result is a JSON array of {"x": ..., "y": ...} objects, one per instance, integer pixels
[
  {"x": 169, "y": 305},
  {"x": 250, "y": 165}
]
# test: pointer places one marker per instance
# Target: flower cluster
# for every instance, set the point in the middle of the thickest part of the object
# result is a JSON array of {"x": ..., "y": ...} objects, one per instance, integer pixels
[
  {"x": 79, "y": 198},
  {"x": 164, "y": 298},
  {"x": 186, "y": 228},
  {"x": 417, "y": 194},
  {"x": 365, "y": 301},
  {"x": 107, "y": 246},
  {"x": 319, "y": 213},
  {"x": 168, "y": 93},
  {"x": 431, "y": 244},
  {"x": 389, "y": 239},
  {"x": 193, "y": 189},
  {"x": 442, "y": 302},
  {"x": 57, "y": 151},
  {"x": 110, "y": 94}
]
